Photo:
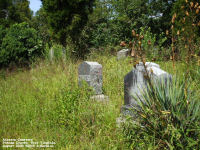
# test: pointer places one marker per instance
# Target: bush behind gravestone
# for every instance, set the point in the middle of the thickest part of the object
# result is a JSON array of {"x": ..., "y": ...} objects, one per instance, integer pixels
[{"x": 20, "y": 45}]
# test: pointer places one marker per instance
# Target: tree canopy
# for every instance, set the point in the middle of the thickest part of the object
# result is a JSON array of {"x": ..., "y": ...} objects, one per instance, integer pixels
[
  {"x": 67, "y": 18},
  {"x": 14, "y": 11}
]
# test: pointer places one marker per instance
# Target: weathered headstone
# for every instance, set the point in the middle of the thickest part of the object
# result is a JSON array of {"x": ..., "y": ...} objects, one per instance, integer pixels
[
  {"x": 91, "y": 72},
  {"x": 54, "y": 55},
  {"x": 51, "y": 54},
  {"x": 123, "y": 53},
  {"x": 135, "y": 83}
]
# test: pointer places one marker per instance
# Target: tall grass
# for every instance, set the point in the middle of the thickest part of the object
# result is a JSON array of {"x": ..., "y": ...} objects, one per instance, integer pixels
[{"x": 46, "y": 104}]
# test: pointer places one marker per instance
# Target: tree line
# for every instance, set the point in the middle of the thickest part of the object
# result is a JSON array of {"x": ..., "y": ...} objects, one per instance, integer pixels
[{"x": 83, "y": 24}]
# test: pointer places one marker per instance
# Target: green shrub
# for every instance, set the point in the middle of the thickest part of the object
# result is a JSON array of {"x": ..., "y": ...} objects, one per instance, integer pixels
[
  {"x": 101, "y": 36},
  {"x": 2, "y": 33},
  {"x": 58, "y": 52},
  {"x": 152, "y": 44},
  {"x": 167, "y": 119},
  {"x": 20, "y": 45}
]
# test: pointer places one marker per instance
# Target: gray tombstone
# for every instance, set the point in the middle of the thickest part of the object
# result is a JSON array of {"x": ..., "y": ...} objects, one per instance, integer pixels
[
  {"x": 135, "y": 83},
  {"x": 123, "y": 53},
  {"x": 91, "y": 72},
  {"x": 51, "y": 54}
]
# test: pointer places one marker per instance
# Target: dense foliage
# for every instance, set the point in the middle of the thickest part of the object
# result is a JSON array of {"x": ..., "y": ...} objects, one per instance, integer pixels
[
  {"x": 40, "y": 23},
  {"x": 14, "y": 11},
  {"x": 20, "y": 44},
  {"x": 67, "y": 18},
  {"x": 112, "y": 21},
  {"x": 82, "y": 26}
]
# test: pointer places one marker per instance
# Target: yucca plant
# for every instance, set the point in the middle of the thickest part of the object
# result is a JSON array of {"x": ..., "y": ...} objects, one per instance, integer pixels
[{"x": 167, "y": 117}]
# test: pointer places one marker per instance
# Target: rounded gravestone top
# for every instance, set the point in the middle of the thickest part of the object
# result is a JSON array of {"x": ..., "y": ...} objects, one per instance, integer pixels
[
  {"x": 124, "y": 50},
  {"x": 147, "y": 64},
  {"x": 91, "y": 63}
]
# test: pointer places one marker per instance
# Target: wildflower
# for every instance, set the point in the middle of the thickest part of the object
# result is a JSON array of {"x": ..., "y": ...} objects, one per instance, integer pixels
[
  {"x": 184, "y": 20},
  {"x": 186, "y": 46},
  {"x": 167, "y": 32},
  {"x": 123, "y": 44},
  {"x": 178, "y": 32},
  {"x": 191, "y": 4},
  {"x": 139, "y": 43},
  {"x": 130, "y": 44},
  {"x": 197, "y": 11},
  {"x": 187, "y": 13},
  {"x": 173, "y": 40},
  {"x": 186, "y": 1},
  {"x": 173, "y": 18},
  {"x": 196, "y": 5},
  {"x": 149, "y": 42},
  {"x": 133, "y": 33}
]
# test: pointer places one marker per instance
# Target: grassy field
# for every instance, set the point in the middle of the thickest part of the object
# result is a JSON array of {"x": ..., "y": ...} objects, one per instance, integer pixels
[{"x": 45, "y": 104}]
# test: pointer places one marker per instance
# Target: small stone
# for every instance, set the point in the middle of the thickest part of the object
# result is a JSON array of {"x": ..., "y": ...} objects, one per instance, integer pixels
[
  {"x": 51, "y": 54},
  {"x": 123, "y": 53}
]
